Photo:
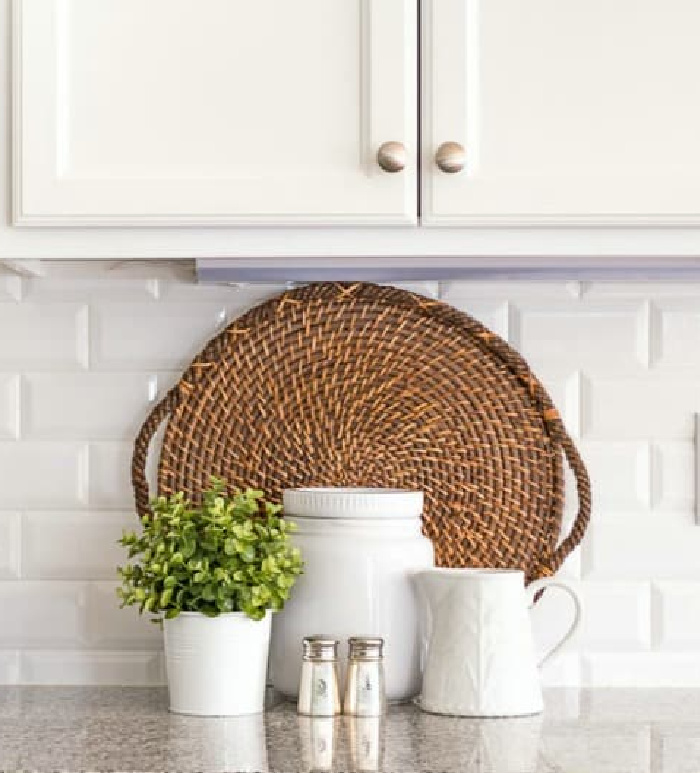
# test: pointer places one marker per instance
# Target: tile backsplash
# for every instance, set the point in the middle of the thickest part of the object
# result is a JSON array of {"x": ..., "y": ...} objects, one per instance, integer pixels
[{"x": 88, "y": 348}]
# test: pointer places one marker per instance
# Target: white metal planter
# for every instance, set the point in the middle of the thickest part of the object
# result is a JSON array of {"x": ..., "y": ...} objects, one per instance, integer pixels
[{"x": 216, "y": 665}]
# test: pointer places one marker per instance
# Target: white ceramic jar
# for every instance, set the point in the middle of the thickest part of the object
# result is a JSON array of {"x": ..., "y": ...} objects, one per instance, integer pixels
[{"x": 361, "y": 548}]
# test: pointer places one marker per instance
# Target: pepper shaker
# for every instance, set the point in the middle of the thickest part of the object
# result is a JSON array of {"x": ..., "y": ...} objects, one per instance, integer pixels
[
  {"x": 364, "y": 688},
  {"x": 319, "y": 695}
]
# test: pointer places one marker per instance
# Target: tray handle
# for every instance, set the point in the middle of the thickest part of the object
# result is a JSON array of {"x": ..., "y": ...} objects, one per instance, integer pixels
[
  {"x": 549, "y": 565},
  {"x": 141, "y": 445}
]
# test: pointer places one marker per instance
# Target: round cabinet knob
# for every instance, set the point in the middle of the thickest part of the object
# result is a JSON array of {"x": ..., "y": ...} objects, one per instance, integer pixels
[
  {"x": 450, "y": 157},
  {"x": 391, "y": 156}
]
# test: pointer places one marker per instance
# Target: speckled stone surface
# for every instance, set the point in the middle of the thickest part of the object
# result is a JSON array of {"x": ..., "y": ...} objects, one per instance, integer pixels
[{"x": 130, "y": 729}]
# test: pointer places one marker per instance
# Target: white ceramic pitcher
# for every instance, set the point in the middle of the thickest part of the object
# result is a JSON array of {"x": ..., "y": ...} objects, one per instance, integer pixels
[{"x": 480, "y": 654}]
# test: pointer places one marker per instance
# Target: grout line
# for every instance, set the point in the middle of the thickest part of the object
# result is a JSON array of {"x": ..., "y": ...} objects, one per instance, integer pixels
[
  {"x": 19, "y": 407},
  {"x": 419, "y": 113},
  {"x": 649, "y": 471},
  {"x": 512, "y": 325},
  {"x": 20, "y": 545},
  {"x": 154, "y": 288},
  {"x": 696, "y": 468},
  {"x": 575, "y": 393},
  {"x": 83, "y": 325},
  {"x": 655, "y": 620},
  {"x": 647, "y": 348}
]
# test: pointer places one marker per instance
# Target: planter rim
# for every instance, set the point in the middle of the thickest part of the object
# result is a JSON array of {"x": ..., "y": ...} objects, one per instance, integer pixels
[{"x": 225, "y": 614}]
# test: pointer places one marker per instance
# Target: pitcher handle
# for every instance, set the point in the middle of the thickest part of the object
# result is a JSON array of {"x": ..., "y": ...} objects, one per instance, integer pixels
[{"x": 549, "y": 582}]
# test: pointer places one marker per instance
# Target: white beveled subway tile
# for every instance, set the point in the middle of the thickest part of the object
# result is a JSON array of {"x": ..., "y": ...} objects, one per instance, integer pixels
[
  {"x": 641, "y": 669},
  {"x": 678, "y": 748},
  {"x": 678, "y": 335},
  {"x": 45, "y": 475},
  {"x": 639, "y": 408},
  {"x": 551, "y": 617},
  {"x": 563, "y": 670},
  {"x": 566, "y": 745},
  {"x": 663, "y": 547},
  {"x": 106, "y": 280},
  {"x": 620, "y": 475},
  {"x": 9, "y": 667},
  {"x": 11, "y": 286},
  {"x": 86, "y": 406},
  {"x": 42, "y": 614},
  {"x": 676, "y": 618},
  {"x": 673, "y": 476},
  {"x": 109, "y": 627},
  {"x": 614, "y": 617},
  {"x": 428, "y": 289},
  {"x": 9, "y": 406},
  {"x": 587, "y": 337},
  {"x": 73, "y": 546},
  {"x": 10, "y": 544},
  {"x": 109, "y": 476},
  {"x": 237, "y": 297},
  {"x": 104, "y": 286},
  {"x": 43, "y": 336},
  {"x": 564, "y": 389},
  {"x": 109, "y": 479},
  {"x": 459, "y": 290},
  {"x": 493, "y": 314},
  {"x": 95, "y": 667},
  {"x": 642, "y": 290},
  {"x": 131, "y": 336}
]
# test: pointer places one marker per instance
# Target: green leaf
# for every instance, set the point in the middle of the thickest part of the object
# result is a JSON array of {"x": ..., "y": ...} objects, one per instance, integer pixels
[
  {"x": 165, "y": 597},
  {"x": 231, "y": 553}
]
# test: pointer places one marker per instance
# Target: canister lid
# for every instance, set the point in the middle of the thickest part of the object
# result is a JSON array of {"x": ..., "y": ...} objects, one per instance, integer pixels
[
  {"x": 385, "y": 503},
  {"x": 366, "y": 647},
  {"x": 320, "y": 647}
]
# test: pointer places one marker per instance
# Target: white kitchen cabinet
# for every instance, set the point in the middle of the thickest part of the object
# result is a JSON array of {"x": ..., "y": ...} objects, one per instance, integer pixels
[
  {"x": 570, "y": 112},
  {"x": 578, "y": 119},
  {"x": 213, "y": 112}
]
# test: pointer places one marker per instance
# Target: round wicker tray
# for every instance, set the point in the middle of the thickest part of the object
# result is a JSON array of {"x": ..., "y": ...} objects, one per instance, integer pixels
[{"x": 361, "y": 385}]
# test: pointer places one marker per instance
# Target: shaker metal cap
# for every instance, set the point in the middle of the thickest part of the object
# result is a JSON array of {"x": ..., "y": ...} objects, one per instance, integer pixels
[
  {"x": 320, "y": 647},
  {"x": 366, "y": 647}
]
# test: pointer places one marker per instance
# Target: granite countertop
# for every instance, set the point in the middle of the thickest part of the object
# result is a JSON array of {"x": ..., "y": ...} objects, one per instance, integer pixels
[{"x": 129, "y": 729}]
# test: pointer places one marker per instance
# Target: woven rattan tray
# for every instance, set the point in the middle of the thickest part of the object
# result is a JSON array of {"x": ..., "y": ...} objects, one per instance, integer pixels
[{"x": 361, "y": 385}]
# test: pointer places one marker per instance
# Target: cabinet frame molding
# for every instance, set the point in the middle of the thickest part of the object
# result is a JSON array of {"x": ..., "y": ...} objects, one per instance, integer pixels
[
  {"x": 450, "y": 113},
  {"x": 387, "y": 110}
]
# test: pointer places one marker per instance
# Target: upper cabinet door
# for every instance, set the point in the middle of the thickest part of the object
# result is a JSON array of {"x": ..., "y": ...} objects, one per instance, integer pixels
[
  {"x": 568, "y": 112},
  {"x": 213, "y": 112}
]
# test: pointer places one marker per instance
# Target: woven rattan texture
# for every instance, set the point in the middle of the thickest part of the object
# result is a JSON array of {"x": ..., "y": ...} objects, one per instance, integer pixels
[{"x": 361, "y": 385}]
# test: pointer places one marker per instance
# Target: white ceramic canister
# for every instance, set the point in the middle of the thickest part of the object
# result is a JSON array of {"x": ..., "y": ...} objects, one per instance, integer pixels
[{"x": 361, "y": 548}]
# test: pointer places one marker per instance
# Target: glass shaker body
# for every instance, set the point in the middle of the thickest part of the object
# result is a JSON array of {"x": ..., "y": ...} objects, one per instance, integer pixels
[
  {"x": 365, "y": 694},
  {"x": 319, "y": 695}
]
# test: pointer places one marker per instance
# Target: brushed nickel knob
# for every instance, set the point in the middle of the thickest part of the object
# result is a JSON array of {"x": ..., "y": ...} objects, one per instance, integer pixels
[
  {"x": 450, "y": 157},
  {"x": 391, "y": 156}
]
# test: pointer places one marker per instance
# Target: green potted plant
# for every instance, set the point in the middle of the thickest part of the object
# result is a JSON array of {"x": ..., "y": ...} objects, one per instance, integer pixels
[{"x": 213, "y": 574}]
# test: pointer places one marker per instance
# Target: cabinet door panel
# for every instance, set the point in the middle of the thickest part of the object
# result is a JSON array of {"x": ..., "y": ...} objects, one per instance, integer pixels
[
  {"x": 571, "y": 112},
  {"x": 193, "y": 112}
]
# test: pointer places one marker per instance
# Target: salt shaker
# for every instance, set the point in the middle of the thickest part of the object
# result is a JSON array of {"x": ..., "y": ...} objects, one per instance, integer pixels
[
  {"x": 319, "y": 695},
  {"x": 364, "y": 688}
]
